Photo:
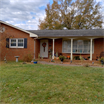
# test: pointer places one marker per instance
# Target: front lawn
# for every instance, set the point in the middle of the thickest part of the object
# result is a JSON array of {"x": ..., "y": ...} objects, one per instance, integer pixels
[{"x": 48, "y": 84}]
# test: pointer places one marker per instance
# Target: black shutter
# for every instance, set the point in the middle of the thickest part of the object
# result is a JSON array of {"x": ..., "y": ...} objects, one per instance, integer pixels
[
  {"x": 25, "y": 42},
  {"x": 7, "y": 42}
]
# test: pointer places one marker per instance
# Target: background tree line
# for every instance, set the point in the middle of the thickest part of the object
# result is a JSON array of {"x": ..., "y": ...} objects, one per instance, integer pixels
[{"x": 69, "y": 14}]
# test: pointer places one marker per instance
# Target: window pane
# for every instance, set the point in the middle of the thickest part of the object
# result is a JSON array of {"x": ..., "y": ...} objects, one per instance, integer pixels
[
  {"x": 85, "y": 51},
  {"x": 66, "y": 46},
  {"x": 80, "y": 50},
  {"x": 13, "y": 40},
  {"x": 86, "y": 46},
  {"x": 74, "y": 50},
  {"x": 75, "y": 42},
  {"x": 20, "y": 44},
  {"x": 80, "y": 42},
  {"x": 13, "y": 44},
  {"x": 69, "y": 46},
  {"x": 80, "y": 46},
  {"x": 75, "y": 46},
  {"x": 85, "y": 41},
  {"x": 69, "y": 43},
  {"x": 20, "y": 40}
]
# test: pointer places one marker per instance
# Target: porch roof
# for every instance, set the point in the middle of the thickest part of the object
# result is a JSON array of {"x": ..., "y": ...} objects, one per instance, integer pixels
[{"x": 68, "y": 33}]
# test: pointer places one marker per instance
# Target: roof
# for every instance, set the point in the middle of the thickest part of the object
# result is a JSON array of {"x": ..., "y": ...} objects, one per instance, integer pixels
[
  {"x": 69, "y": 33},
  {"x": 31, "y": 34},
  {"x": 61, "y": 33}
]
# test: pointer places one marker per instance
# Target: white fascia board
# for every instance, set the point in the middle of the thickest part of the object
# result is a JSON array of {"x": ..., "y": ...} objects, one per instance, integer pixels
[{"x": 31, "y": 34}]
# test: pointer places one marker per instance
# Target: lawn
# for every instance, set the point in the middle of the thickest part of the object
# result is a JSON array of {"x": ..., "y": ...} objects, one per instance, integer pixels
[{"x": 48, "y": 84}]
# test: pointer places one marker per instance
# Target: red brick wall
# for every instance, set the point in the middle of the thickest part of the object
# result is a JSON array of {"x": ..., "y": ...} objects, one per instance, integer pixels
[
  {"x": 58, "y": 45},
  {"x": 11, "y": 52},
  {"x": 37, "y": 47},
  {"x": 98, "y": 47}
]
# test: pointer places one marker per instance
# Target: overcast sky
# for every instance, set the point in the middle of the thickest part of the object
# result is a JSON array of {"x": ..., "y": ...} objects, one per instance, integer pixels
[{"x": 26, "y": 13}]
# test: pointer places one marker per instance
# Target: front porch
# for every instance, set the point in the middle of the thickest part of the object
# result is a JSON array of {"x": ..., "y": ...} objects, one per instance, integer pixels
[{"x": 49, "y": 48}]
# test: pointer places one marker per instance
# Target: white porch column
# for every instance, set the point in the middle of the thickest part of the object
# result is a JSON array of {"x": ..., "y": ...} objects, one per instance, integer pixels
[
  {"x": 53, "y": 50},
  {"x": 71, "y": 49},
  {"x": 91, "y": 49}
]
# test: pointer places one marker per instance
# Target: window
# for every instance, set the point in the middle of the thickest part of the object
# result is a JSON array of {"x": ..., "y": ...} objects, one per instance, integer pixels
[
  {"x": 79, "y": 46},
  {"x": 13, "y": 42},
  {"x": 20, "y": 43},
  {"x": 16, "y": 43},
  {"x": 66, "y": 46}
]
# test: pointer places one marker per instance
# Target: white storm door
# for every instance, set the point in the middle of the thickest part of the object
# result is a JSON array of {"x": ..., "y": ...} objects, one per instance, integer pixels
[{"x": 44, "y": 48}]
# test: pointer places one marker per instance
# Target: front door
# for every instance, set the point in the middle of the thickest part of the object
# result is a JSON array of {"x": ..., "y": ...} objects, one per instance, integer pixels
[{"x": 44, "y": 48}]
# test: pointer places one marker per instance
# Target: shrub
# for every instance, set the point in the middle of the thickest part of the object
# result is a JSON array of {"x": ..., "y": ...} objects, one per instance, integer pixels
[
  {"x": 81, "y": 58},
  {"x": 27, "y": 58},
  {"x": 88, "y": 57},
  {"x": 61, "y": 58},
  {"x": 102, "y": 60},
  {"x": 76, "y": 58}
]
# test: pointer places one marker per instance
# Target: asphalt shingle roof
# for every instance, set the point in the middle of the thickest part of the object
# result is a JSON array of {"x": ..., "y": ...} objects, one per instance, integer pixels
[{"x": 68, "y": 33}]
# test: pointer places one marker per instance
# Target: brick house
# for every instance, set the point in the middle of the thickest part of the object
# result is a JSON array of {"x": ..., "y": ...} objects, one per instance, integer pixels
[
  {"x": 19, "y": 42},
  {"x": 15, "y": 42}
]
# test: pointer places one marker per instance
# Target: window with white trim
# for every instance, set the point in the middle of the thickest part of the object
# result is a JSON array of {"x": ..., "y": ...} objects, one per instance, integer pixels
[
  {"x": 79, "y": 46},
  {"x": 17, "y": 43},
  {"x": 66, "y": 46}
]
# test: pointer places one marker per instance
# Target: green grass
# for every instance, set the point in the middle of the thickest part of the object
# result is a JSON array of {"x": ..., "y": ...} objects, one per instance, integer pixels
[{"x": 48, "y": 84}]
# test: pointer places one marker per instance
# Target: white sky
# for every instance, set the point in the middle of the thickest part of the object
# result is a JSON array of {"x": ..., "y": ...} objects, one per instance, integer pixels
[{"x": 26, "y": 13}]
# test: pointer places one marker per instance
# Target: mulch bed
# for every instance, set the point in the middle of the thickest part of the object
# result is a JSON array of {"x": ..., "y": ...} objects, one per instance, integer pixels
[{"x": 75, "y": 62}]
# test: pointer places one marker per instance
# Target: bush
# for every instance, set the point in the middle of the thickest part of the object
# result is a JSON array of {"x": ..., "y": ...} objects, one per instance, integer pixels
[
  {"x": 61, "y": 58},
  {"x": 88, "y": 57},
  {"x": 102, "y": 60},
  {"x": 76, "y": 58},
  {"x": 27, "y": 58},
  {"x": 81, "y": 58}
]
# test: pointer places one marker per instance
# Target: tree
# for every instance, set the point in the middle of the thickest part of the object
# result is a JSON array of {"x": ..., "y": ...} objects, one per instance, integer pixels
[
  {"x": 88, "y": 15},
  {"x": 53, "y": 19},
  {"x": 81, "y": 14}
]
